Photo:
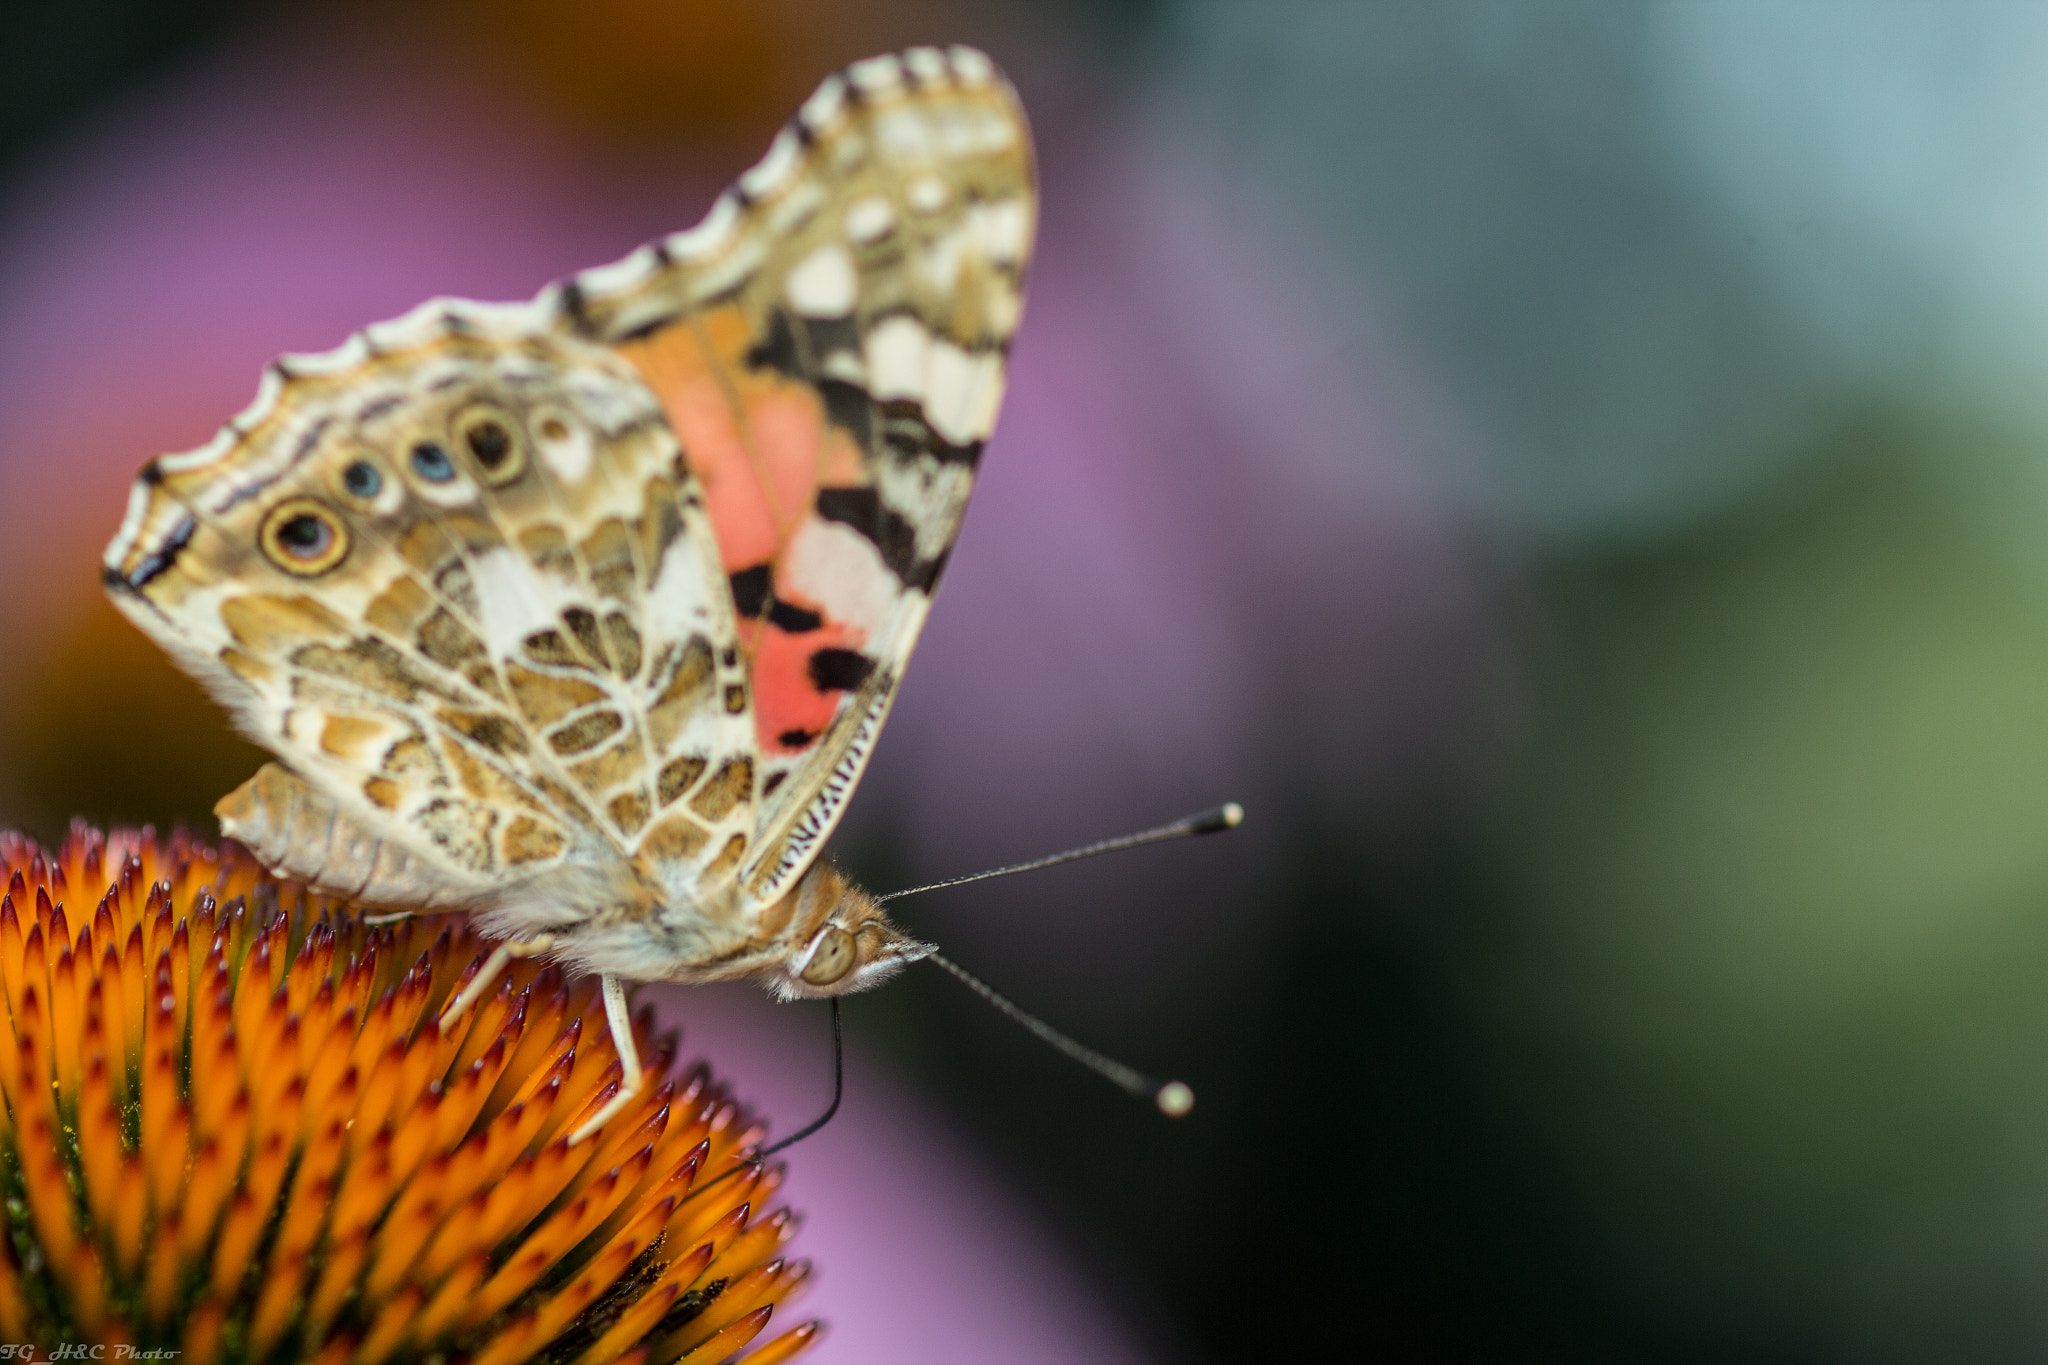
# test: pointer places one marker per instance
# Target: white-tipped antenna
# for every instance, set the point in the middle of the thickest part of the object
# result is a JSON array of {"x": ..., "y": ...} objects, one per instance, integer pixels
[
  {"x": 1174, "y": 1098},
  {"x": 1229, "y": 815}
]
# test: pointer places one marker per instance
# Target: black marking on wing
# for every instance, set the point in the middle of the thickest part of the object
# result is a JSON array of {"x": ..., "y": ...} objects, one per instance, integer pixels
[
  {"x": 377, "y": 407},
  {"x": 158, "y": 560},
  {"x": 839, "y": 670},
  {"x": 793, "y": 619},
  {"x": 778, "y": 350},
  {"x": 750, "y": 591},
  {"x": 909, "y": 435},
  {"x": 311, "y": 439},
  {"x": 827, "y": 335},
  {"x": 849, "y": 406},
  {"x": 305, "y": 447},
  {"x": 794, "y": 349},
  {"x": 574, "y": 307}
]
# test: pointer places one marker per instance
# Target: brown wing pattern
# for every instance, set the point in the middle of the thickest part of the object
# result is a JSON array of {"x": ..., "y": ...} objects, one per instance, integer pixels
[{"x": 456, "y": 577}]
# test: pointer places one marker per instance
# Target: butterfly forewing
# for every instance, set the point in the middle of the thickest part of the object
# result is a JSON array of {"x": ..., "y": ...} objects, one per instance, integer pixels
[{"x": 830, "y": 349}]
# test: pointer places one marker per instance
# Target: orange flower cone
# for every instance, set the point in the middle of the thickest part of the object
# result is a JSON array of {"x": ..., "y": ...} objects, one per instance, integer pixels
[{"x": 235, "y": 1130}]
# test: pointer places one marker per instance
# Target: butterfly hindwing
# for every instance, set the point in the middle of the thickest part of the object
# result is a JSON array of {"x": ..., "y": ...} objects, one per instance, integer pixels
[
  {"x": 591, "y": 608},
  {"x": 517, "y": 633}
]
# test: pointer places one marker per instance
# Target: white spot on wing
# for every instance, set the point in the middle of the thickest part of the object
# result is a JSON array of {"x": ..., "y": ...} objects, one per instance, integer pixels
[
  {"x": 502, "y": 320},
  {"x": 420, "y": 325},
  {"x": 346, "y": 356},
  {"x": 1001, "y": 229},
  {"x": 960, "y": 394},
  {"x": 896, "y": 349},
  {"x": 877, "y": 75},
  {"x": 304, "y": 726},
  {"x": 822, "y": 284},
  {"x": 838, "y": 568},
  {"x": 902, "y": 134},
  {"x": 869, "y": 218},
  {"x": 978, "y": 133},
  {"x": 844, "y": 365},
  {"x": 926, "y": 64},
  {"x": 619, "y": 275},
  {"x": 972, "y": 65},
  {"x": 268, "y": 390},
  {"x": 772, "y": 170},
  {"x": 186, "y": 461},
  {"x": 705, "y": 238},
  {"x": 678, "y": 605},
  {"x": 513, "y": 600},
  {"x": 823, "y": 107},
  {"x": 569, "y": 458},
  {"x": 930, "y": 494},
  {"x": 927, "y": 194},
  {"x": 131, "y": 525}
]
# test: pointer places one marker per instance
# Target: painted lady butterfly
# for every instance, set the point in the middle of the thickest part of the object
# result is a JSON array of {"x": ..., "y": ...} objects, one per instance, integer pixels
[{"x": 583, "y": 614}]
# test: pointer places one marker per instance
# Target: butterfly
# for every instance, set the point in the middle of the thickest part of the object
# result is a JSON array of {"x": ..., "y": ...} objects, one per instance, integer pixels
[{"x": 582, "y": 615}]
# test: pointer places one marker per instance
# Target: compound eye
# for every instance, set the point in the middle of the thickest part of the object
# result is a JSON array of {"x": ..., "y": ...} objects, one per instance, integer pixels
[
  {"x": 832, "y": 959},
  {"x": 304, "y": 537},
  {"x": 493, "y": 441}
]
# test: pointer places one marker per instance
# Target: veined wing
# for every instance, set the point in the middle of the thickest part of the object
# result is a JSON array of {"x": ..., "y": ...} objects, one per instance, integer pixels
[{"x": 829, "y": 346}]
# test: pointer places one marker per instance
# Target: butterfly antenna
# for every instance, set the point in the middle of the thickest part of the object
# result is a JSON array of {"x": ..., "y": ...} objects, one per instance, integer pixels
[
  {"x": 1229, "y": 815},
  {"x": 1174, "y": 1098}
]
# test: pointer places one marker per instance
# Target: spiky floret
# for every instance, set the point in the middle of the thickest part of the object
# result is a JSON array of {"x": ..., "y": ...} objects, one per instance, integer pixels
[{"x": 233, "y": 1127}]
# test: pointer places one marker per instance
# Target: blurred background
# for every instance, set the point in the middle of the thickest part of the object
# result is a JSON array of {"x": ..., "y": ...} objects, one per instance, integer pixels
[{"x": 1577, "y": 472}]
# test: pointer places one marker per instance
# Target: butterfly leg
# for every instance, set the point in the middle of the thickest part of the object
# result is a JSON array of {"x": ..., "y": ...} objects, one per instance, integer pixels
[
  {"x": 494, "y": 967},
  {"x": 621, "y": 1022},
  {"x": 376, "y": 921}
]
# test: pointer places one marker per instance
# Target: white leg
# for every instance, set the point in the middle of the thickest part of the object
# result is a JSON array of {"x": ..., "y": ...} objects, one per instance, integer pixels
[
  {"x": 374, "y": 921},
  {"x": 621, "y": 1024},
  {"x": 494, "y": 967}
]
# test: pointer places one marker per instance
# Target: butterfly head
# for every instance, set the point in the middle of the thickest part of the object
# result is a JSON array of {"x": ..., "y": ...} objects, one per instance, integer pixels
[{"x": 839, "y": 940}]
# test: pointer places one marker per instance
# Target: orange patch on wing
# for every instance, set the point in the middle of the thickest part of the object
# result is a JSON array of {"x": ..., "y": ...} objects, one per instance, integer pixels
[
  {"x": 757, "y": 440},
  {"x": 760, "y": 447},
  {"x": 789, "y": 710}
]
